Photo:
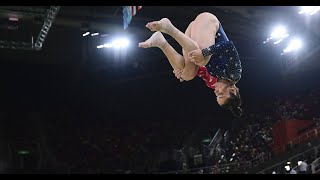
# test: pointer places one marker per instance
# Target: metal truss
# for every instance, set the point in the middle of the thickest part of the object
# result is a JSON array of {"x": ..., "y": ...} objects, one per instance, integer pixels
[
  {"x": 51, "y": 14},
  {"x": 34, "y": 45}
]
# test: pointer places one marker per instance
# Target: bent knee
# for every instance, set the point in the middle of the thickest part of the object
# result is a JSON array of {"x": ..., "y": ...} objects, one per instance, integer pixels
[
  {"x": 206, "y": 16},
  {"x": 188, "y": 78},
  {"x": 189, "y": 75}
]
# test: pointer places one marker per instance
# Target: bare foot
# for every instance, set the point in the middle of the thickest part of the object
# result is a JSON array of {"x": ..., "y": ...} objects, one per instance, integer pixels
[
  {"x": 164, "y": 25},
  {"x": 156, "y": 40}
]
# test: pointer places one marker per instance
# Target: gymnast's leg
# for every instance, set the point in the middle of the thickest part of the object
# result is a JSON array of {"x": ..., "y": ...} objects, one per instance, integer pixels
[
  {"x": 157, "y": 40},
  {"x": 203, "y": 31},
  {"x": 176, "y": 60}
]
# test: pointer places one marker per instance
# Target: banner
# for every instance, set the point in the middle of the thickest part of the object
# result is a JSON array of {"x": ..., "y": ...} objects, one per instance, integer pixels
[{"x": 128, "y": 13}]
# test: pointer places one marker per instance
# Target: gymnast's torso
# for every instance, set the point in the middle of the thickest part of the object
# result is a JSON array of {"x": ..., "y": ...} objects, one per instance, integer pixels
[{"x": 225, "y": 61}]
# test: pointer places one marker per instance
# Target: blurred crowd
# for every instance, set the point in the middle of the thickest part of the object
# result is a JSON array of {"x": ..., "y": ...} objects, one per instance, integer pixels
[{"x": 156, "y": 146}]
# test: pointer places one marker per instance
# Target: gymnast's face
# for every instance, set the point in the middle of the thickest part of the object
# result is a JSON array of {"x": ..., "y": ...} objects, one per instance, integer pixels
[{"x": 222, "y": 91}]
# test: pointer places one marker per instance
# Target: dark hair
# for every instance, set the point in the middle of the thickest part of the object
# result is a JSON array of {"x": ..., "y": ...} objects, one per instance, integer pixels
[{"x": 233, "y": 104}]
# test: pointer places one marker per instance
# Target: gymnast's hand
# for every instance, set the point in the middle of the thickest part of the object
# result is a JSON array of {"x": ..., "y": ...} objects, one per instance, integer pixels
[
  {"x": 196, "y": 57},
  {"x": 178, "y": 74}
]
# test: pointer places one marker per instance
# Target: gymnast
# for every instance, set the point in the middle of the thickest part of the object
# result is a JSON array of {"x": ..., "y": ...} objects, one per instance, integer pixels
[{"x": 207, "y": 53}]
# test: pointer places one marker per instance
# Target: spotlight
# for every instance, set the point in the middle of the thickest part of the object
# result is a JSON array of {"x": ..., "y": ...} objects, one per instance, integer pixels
[
  {"x": 100, "y": 46},
  {"x": 310, "y": 10},
  {"x": 279, "y": 32},
  {"x": 294, "y": 44},
  {"x": 85, "y": 34},
  {"x": 107, "y": 45},
  {"x": 94, "y": 34},
  {"x": 120, "y": 43}
]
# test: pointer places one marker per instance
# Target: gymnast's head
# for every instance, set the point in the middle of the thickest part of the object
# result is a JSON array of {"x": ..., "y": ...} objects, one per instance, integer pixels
[{"x": 228, "y": 96}]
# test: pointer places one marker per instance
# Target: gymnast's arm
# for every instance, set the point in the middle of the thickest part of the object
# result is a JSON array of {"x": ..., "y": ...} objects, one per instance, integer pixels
[
  {"x": 198, "y": 57},
  {"x": 194, "y": 60}
]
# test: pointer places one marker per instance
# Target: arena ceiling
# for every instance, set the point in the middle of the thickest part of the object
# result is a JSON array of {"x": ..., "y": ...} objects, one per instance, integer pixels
[{"x": 246, "y": 25}]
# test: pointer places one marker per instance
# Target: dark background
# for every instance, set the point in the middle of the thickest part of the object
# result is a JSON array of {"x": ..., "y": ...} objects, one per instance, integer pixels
[{"x": 71, "y": 85}]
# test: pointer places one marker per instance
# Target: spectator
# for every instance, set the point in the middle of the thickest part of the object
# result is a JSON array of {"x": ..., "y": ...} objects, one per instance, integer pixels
[{"x": 303, "y": 167}]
